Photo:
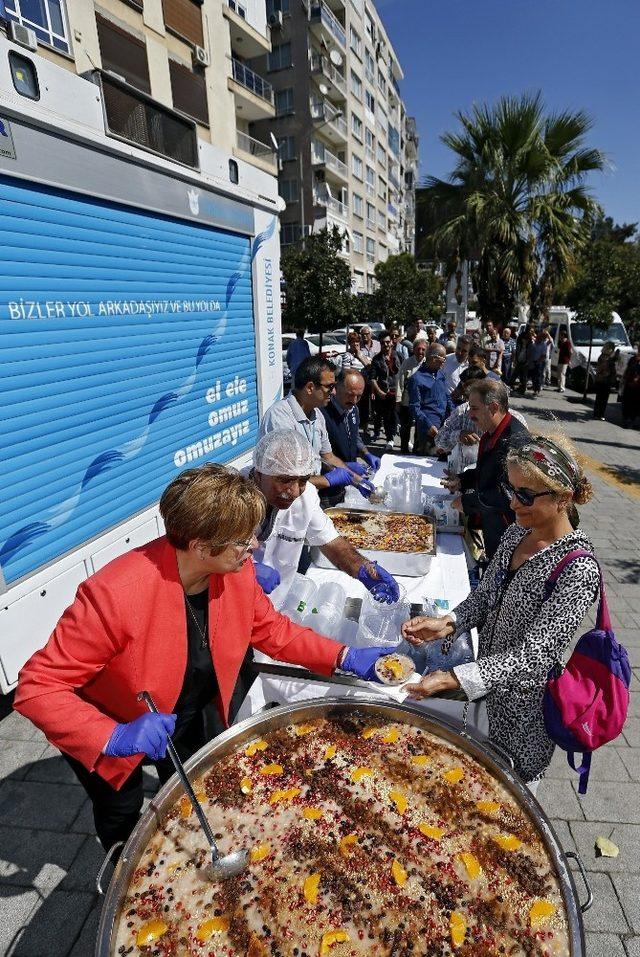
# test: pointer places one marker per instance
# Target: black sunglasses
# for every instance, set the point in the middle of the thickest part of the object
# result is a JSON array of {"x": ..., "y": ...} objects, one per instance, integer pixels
[{"x": 524, "y": 495}]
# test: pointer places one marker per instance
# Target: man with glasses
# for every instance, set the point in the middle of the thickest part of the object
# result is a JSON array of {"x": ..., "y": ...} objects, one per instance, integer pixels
[
  {"x": 428, "y": 398},
  {"x": 343, "y": 425},
  {"x": 314, "y": 384},
  {"x": 281, "y": 468},
  {"x": 481, "y": 488}
]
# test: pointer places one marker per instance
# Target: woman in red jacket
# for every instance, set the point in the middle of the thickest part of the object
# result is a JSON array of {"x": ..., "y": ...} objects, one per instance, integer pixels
[{"x": 175, "y": 617}]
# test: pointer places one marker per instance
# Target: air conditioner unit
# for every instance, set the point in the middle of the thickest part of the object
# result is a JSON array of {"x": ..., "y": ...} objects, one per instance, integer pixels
[
  {"x": 22, "y": 35},
  {"x": 275, "y": 20},
  {"x": 201, "y": 57}
]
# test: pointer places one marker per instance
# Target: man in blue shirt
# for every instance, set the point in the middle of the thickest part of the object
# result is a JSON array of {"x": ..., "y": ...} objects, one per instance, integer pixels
[
  {"x": 343, "y": 423},
  {"x": 297, "y": 351},
  {"x": 428, "y": 398}
]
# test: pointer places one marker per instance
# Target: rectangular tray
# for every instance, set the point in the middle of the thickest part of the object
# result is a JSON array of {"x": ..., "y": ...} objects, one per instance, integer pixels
[{"x": 407, "y": 564}]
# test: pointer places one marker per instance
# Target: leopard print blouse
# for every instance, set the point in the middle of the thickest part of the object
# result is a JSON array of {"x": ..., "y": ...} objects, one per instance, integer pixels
[{"x": 521, "y": 636}]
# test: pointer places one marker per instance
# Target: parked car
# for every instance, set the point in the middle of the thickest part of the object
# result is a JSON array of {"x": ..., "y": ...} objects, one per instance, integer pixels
[
  {"x": 332, "y": 347},
  {"x": 561, "y": 318}
]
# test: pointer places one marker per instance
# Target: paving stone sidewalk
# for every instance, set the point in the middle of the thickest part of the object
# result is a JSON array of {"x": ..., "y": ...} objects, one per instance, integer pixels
[{"x": 49, "y": 857}]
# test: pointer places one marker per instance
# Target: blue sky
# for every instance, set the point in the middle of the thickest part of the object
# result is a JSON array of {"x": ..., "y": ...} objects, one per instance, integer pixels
[{"x": 582, "y": 54}]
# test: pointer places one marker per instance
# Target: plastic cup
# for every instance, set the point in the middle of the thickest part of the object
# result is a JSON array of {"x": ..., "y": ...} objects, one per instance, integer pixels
[
  {"x": 380, "y": 622},
  {"x": 330, "y": 595},
  {"x": 325, "y": 622},
  {"x": 300, "y": 596}
]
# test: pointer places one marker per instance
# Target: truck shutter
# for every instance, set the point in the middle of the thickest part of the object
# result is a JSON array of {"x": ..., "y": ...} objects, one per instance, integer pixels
[{"x": 127, "y": 350}]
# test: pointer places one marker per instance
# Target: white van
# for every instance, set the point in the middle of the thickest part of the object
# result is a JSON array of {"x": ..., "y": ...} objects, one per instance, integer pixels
[{"x": 562, "y": 318}]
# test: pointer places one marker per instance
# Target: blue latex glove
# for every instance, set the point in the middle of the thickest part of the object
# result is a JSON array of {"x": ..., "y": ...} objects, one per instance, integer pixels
[
  {"x": 365, "y": 487},
  {"x": 268, "y": 577},
  {"x": 362, "y": 661},
  {"x": 357, "y": 467},
  {"x": 379, "y": 582},
  {"x": 148, "y": 735},
  {"x": 338, "y": 478},
  {"x": 372, "y": 460}
]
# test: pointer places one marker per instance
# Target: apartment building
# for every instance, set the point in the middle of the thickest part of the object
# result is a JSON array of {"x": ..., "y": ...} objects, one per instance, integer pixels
[
  {"x": 164, "y": 61},
  {"x": 347, "y": 150}
]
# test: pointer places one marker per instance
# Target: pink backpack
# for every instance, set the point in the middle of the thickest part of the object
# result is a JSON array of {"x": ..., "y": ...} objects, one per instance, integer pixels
[{"x": 585, "y": 701}]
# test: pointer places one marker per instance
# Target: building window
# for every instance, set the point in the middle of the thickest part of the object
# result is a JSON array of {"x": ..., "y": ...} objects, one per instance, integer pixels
[
  {"x": 288, "y": 189},
  {"x": 284, "y": 101},
  {"x": 356, "y": 126},
  {"x": 47, "y": 19},
  {"x": 290, "y": 233},
  {"x": 286, "y": 147},
  {"x": 369, "y": 66},
  {"x": 356, "y": 85},
  {"x": 382, "y": 155},
  {"x": 371, "y": 247},
  {"x": 238, "y": 8},
  {"x": 370, "y": 101},
  {"x": 371, "y": 215},
  {"x": 275, "y": 6},
  {"x": 280, "y": 57},
  {"x": 382, "y": 189},
  {"x": 123, "y": 54},
  {"x": 382, "y": 84},
  {"x": 184, "y": 18},
  {"x": 356, "y": 43},
  {"x": 371, "y": 176},
  {"x": 371, "y": 283},
  {"x": 358, "y": 242},
  {"x": 370, "y": 28},
  {"x": 189, "y": 92},
  {"x": 382, "y": 220},
  {"x": 358, "y": 205},
  {"x": 356, "y": 166}
]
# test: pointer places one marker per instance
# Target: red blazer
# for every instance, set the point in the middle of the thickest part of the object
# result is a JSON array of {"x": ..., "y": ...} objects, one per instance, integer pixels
[{"x": 126, "y": 632}]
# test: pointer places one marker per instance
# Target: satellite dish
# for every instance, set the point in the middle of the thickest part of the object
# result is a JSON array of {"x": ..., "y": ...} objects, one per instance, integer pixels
[
  {"x": 335, "y": 57},
  {"x": 324, "y": 89}
]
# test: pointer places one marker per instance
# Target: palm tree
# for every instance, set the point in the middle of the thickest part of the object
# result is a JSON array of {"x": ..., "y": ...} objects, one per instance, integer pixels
[{"x": 515, "y": 204}]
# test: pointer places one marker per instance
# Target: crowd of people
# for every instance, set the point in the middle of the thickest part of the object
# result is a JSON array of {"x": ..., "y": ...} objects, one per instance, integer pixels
[{"x": 181, "y": 615}]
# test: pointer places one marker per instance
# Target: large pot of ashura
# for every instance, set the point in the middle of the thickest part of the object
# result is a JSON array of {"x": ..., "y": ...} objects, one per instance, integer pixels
[{"x": 372, "y": 829}]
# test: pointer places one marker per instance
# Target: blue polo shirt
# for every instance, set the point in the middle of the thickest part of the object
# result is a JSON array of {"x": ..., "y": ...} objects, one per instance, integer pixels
[{"x": 427, "y": 399}]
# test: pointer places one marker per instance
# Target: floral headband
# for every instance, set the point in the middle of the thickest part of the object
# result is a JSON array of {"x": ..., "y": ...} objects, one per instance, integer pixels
[{"x": 556, "y": 464}]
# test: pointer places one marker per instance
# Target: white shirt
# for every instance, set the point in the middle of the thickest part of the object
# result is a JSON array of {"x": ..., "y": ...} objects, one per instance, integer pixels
[
  {"x": 452, "y": 371},
  {"x": 288, "y": 414},
  {"x": 304, "y": 521}
]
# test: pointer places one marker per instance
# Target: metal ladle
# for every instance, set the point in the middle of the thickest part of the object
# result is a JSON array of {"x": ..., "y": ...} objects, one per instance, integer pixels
[{"x": 221, "y": 866}]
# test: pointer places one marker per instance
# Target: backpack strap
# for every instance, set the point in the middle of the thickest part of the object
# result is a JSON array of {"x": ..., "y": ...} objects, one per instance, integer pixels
[
  {"x": 603, "y": 618},
  {"x": 583, "y": 770}
]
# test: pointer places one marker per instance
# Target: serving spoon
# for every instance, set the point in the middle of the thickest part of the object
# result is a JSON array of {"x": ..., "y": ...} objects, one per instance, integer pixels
[{"x": 222, "y": 866}]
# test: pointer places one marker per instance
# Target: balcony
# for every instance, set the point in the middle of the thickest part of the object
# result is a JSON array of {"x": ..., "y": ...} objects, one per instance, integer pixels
[
  {"x": 326, "y": 26},
  {"x": 334, "y": 206},
  {"x": 253, "y": 96},
  {"x": 322, "y": 66},
  {"x": 334, "y": 125},
  {"x": 333, "y": 167},
  {"x": 392, "y": 211},
  {"x": 256, "y": 152},
  {"x": 393, "y": 179},
  {"x": 245, "y": 39}
]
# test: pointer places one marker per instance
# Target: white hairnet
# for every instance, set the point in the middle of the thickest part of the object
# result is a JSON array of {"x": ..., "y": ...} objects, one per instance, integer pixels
[{"x": 284, "y": 453}]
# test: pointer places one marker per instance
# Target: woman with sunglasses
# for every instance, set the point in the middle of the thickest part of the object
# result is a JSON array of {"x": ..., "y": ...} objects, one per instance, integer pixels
[
  {"x": 176, "y": 618},
  {"x": 523, "y": 631}
]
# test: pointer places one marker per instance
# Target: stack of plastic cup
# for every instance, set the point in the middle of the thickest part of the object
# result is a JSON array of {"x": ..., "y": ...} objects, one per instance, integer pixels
[
  {"x": 330, "y": 595},
  {"x": 325, "y": 616},
  {"x": 380, "y": 622},
  {"x": 300, "y": 597},
  {"x": 412, "y": 490}
]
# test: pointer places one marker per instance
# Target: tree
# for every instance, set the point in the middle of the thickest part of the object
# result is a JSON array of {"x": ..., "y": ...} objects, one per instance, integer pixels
[
  {"x": 317, "y": 284},
  {"x": 515, "y": 204},
  {"x": 404, "y": 293}
]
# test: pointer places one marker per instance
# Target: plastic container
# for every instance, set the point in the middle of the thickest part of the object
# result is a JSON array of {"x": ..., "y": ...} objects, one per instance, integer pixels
[
  {"x": 326, "y": 621},
  {"x": 380, "y": 622},
  {"x": 330, "y": 595},
  {"x": 300, "y": 596}
]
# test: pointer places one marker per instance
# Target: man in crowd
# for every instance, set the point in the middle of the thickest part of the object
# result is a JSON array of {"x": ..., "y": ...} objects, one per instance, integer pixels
[
  {"x": 455, "y": 364},
  {"x": 481, "y": 487},
  {"x": 383, "y": 374},
  {"x": 313, "y": 386},
  {"x": 343, "y": 424},
  {"x": 282, "y": 465},
  {"x": 407, "y": 369},
  {"x": 494, "y": 347},
  {"x": 368, "y": 349},
  {"x": 428, "y": 398},
  {"x": 564, "y": 358},
  {"x": 536, "y": 358},
  {"x": 449, "y": 334},
  {"x": 477, "y": 359},
  {"x": 351, "y": 359},
  {"x": 401, "y": 351},
  {"x": 508, "y": 354},
  {"x": 297, "y": 351}
]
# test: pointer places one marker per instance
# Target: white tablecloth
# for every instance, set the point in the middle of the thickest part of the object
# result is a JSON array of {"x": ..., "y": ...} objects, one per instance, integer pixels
[{"x": 447, "y": 578}]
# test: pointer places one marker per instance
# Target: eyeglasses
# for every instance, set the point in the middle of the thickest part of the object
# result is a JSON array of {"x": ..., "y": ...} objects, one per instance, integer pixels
[
  {"x": 240, "y": 547},
  {"x": 524, "y": 495},
  {"x": 327, "y": 389}
]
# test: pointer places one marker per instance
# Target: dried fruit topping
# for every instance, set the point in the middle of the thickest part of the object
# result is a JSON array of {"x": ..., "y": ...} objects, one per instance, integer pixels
[
  {"x": 255, "y": 746},
  {"x": 313, "y": 813},
  {"x": 457, "y": 928},
  {"x": 304, "y": 728},
  {"x": 246, "y": 786},
  {"x": 310, "y": 888},
  {"x": 359, "y": 773},
  {"x": 399, "y": 874},
  {"x": 259, "y": 852},
  {"x": 400, "y": 801},
  {"x": 272, "y": 769},
  {"x": 369, "y": 732},
  {"x": 420, "y": 760},
  {"x": 216, "y": 925},
  {"x": 287, "y": 795},
  {"x": 256, "y": 947},
  {"x": 150, "y": 932},
  {"x": 330, "y": 938},
  {"x": 488, "y": 807},
  {"x": 346, "y": 842},
  {"x": 430, "y": 830},
  {"x": 185, "y": 803},
  {"x": 508, "y": 842},
  {"x": 454, "y": 775},
  {"x": 540, "y": 912},
  {"x": 472, "y": 865},
  {"x": 391, "y": 736},
  {"x": 330, "y": 752}
]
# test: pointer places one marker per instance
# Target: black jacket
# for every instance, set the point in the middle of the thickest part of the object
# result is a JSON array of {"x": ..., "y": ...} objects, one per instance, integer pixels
[{"x": 481, "y": 491}]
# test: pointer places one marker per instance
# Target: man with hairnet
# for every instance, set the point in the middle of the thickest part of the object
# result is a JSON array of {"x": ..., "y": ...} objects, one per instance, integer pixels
[{"x": 282, "y": 464}]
